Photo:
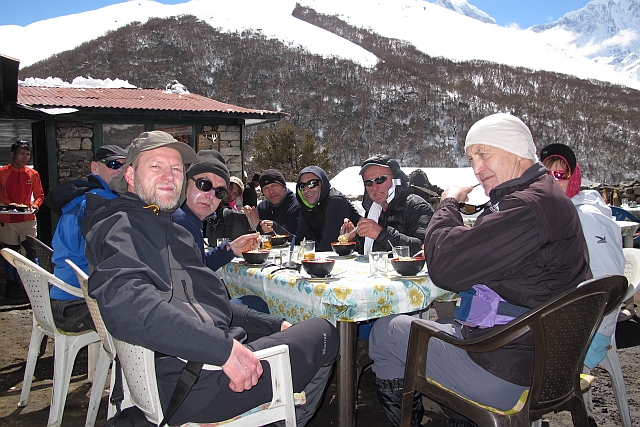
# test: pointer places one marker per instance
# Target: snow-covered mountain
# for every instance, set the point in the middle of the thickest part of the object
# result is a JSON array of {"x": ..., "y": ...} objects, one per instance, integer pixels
[
  {"x": 606, "y": 31},
  {"x": 466, "y": 9},
  {"x": 434, "y": 30}
]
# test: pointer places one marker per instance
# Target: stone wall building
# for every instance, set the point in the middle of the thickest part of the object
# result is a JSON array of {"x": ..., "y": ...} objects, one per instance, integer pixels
[{"x": 67, "y": 124}]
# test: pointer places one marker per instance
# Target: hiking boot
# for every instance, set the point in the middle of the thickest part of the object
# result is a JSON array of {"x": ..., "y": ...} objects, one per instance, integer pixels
[{"x": 389, "y": 393}]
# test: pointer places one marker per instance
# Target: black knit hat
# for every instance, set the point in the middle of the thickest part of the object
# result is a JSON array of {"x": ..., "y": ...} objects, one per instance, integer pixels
[
  {"x": 270, "y": 176},
  {"x": 561, "y": 150},
  {"x": 109, "y": 152},
  {"x": 209, "y": 161}
]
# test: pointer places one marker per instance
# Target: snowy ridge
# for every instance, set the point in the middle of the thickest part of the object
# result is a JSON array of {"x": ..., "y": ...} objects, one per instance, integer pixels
[
  {"x": 464, "y": 8},
  {"x": 434, "y": 30},
  {"x": 606, "y": 31}
]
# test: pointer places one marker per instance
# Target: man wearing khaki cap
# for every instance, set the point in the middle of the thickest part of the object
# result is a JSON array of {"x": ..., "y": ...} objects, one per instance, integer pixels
[{"x": 153, "y": 290}]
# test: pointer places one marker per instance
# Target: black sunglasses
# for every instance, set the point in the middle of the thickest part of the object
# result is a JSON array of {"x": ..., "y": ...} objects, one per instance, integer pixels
[
  {"x": 205, "y": 185},
  {"x": 472, "y": 209},
  {"x": 378, "y": 180},
  {"x": 112, "y": 164},
  {"x": 309, "y": 184}
]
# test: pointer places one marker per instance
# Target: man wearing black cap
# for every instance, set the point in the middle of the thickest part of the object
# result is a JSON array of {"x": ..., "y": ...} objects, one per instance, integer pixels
[
  {"x": 394, "y": 215},
  {"x": 249, "y": 194},
  {"x": 279, "y": 212},
  {"x": 69, "y": 201},
  {"x": 154, "y": 290}
]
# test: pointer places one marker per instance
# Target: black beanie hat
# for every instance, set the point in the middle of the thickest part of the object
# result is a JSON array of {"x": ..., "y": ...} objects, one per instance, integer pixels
[
  {"x": 209, "y": 161},
  {"x": 270, "y": 176},
  {"x": 561, "y": 150}
]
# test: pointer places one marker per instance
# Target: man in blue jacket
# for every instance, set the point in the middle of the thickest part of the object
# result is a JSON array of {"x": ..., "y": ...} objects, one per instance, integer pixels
[{"x": 69, "y": 312}]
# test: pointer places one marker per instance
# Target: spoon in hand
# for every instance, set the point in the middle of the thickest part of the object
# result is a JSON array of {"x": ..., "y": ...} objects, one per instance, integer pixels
[{"x": 344, "y": 238}]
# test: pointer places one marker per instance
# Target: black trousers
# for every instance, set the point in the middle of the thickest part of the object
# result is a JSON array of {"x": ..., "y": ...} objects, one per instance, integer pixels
[{"x": 313, "y": 344}]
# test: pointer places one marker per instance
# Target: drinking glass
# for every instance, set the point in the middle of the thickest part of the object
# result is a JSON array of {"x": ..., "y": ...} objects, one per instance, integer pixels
[
  {"x": 266, "y": 241},
  {"x": 378, "y": 263},
  {"x": 308, "y": 249},
  {"x": 400, "y": 251}
]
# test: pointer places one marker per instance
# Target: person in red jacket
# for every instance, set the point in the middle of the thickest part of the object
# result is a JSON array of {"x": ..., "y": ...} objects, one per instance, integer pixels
[{"x": 19, "y": 185}]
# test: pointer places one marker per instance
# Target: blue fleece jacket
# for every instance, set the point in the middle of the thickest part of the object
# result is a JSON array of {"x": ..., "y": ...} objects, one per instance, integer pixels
[{"x": 68, "y": 242}]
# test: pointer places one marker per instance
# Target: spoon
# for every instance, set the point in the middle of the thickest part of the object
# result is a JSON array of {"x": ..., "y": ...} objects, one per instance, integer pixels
[{"x": 344, "y": 238}]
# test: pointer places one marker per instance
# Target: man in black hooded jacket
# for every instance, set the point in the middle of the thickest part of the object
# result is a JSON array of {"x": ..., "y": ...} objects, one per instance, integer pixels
[
  {"x": 322, "y": 208},
  {"x": 394, "y": 215}
]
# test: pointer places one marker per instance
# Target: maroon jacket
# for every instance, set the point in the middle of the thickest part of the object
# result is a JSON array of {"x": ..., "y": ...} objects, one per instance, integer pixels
[{"x": 528, "y": 247}]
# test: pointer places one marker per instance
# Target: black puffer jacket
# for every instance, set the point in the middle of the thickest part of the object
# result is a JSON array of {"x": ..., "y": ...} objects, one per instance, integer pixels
[
  {"x": 153, "y": 290},
  {"x": 405, "y": 221},
  {"x": 528, "y": 248},
  {"x": 286, "y": 214},
  {"x": 323, "y": 221}
]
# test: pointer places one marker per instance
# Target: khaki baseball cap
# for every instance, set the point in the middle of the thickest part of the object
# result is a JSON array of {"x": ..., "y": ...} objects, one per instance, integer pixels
[{"x": 147, "y": 141}]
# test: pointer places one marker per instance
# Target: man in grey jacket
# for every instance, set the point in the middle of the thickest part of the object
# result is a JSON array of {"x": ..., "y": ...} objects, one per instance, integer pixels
[{"x": 153, "y": 290}]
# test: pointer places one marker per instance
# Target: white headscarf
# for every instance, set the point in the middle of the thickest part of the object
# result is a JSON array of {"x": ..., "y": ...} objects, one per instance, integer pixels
[{"x": 503, "y": 131}]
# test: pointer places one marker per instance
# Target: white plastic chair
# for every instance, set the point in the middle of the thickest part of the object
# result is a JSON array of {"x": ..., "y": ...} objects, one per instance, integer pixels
[
  {"x": 611, "y": 362},
  {"x": 36, "y": 281},
  {"x": 107, "y": 352},
  {"x": 138, "y": 367}
]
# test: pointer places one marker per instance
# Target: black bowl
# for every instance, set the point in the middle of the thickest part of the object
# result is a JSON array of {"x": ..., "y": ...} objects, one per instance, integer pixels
[
  {"x": 255, "y": 257},
  {"x": 279, "y": 239},
  {"x": 343, "y": 249},
  {"x": 408, "y": 267},
  {"x": 318, "y": 267}
]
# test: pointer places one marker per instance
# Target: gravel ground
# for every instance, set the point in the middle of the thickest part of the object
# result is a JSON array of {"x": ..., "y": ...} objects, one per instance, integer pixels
[{"x": 15, "y": 331}]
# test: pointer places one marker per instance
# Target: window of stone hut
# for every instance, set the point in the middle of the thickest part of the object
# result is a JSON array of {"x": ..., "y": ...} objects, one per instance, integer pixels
[
  {"x": 179, "y": 132},
  {"x": 120, "y": 134}
]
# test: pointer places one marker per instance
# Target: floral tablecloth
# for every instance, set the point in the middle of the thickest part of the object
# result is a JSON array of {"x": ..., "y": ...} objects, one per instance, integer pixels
[{"x": 349, "y": 295}]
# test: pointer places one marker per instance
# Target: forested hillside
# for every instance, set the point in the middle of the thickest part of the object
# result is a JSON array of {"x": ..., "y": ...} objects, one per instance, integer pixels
[{"x": 413, "y": 106}]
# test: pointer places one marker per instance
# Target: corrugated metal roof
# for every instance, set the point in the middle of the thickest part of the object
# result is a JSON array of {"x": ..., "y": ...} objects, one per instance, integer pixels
[{"x": 133, "y": 99}]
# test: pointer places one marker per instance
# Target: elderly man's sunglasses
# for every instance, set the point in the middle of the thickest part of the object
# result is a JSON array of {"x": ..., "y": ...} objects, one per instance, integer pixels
[
  {"x": 378, "y": 180},
  {"x": 309, "y": 184},
  {"x": 559, "y": 174},
  {"x": 472, "y": 209},
  {"x": 205, "y": 185},
  {"x": 112, "y": 164}
]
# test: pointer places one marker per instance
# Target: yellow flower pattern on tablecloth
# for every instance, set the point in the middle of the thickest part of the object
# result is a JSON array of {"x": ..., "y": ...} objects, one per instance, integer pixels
[{"x": 352, "y": 297}]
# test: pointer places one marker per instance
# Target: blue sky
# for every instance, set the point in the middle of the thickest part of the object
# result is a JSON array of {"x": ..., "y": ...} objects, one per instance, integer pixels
[
  {"x": 523, "y": 12},
  {"x": 527, "y": 13}
]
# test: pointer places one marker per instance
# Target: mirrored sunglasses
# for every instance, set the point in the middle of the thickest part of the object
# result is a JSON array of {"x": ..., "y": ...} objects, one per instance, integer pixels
[
  {"x": 468, "y": 209},
  {"x": 559, "y": 174},
  {"x": 205, "y": 185},
  {"x": 378, "y": 180},
  {"x": 112, "y": 164},
  {"x": 309, "y": 184}
]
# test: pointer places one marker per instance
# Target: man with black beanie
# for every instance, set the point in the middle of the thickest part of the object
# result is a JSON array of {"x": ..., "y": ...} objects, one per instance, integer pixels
[
  {"x": 280, "y": 211},
  {"x": 207, "y": 183}
]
